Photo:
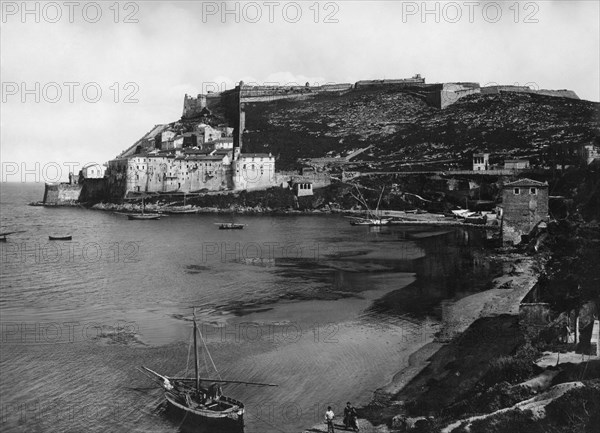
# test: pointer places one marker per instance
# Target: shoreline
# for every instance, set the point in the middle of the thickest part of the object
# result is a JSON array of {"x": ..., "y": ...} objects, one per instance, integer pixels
[
  {"x": 517, "y": 279},
  {"x": 398, "y": 218}
]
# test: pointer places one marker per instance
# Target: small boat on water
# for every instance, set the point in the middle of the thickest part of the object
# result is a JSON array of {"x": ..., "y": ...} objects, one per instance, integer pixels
[
  {"x": 180, "y": 211},
  {"x": 371, "y": 222},
  {"x": 60, "y": 238},
  {"x": 198, "y": 405},
  {"x": 143, "y": 215},
  {"x": 231, "y": 226}
]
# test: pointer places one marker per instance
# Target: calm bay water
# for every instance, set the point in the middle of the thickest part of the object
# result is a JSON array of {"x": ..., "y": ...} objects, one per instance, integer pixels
[{"x": 327, "y": 311}]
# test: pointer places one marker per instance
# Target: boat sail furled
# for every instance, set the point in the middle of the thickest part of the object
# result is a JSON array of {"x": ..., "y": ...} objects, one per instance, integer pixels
[{"x": 200, "y": 405}]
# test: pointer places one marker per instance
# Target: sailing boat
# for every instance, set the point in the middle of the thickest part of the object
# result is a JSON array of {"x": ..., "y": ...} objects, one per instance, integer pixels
[
  {"x": 143, "y": 216},
  {"x": 371, "y": 218},
  {"x": 200, "y": 405}
]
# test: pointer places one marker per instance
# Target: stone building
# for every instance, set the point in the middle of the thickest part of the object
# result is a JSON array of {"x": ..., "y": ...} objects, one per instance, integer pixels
[
  {"x": 481, "y": 161},
  {"x": 93, "y": 170},
  {"x": 516, "y": 164},
  {"x": 303, "y": 189},
  {"x": 253, "y": 171},
  {"x": 588, "y": 153},
  {"x": 187, "y": 172},
  {"x": 524, "y": 205}
]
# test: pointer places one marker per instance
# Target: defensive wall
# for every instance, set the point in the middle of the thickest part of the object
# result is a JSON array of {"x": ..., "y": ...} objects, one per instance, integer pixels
[
  {"x": 561, "y": 93},
  {"x": 440, "y": 95},
  {"x": 61, "y": 193}
]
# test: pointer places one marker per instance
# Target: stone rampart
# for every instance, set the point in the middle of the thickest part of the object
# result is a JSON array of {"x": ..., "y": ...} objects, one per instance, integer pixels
[{"x": 61, "y": 193}]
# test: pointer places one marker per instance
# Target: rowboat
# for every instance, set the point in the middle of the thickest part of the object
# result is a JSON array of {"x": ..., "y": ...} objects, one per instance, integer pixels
[
  {"x": 231, "y": 226},
  {"x": 60, "y": 238},
  {"x": 198, "y": 405}
]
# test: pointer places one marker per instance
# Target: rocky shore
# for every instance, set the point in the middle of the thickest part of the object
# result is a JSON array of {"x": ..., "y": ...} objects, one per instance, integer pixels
[
  {"x": 425, "y": 365},
  {"x": 494, "y": 368}
]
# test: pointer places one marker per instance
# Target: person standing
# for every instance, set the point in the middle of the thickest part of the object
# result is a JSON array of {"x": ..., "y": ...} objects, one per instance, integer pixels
[
  {"x": 350, "y": 417},
  {"x": 329, "y": 416}
]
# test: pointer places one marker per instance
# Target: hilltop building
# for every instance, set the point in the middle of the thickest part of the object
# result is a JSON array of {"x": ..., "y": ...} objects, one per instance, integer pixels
[{"x": 524, "y": 205}]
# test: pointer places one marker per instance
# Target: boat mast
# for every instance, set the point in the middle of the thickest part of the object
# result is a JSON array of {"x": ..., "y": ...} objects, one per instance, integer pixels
[
  {"x": 379, "y": 201},
  {"x": 197, "y": 363}
]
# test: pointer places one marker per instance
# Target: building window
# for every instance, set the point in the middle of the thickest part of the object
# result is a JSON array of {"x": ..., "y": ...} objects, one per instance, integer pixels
[
  {"x": 517, "y": 191},
  {"x": 533, "y": 191}
]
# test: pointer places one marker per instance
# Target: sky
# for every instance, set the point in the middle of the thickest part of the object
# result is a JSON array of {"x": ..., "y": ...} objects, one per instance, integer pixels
[{"x": 82, "y": 81}]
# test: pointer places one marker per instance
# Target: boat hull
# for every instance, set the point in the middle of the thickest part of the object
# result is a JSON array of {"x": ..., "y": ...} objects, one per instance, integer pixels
[
  {"x": 231, "y": 226},
  {"x": 229, "y": 421},
  {"x": 60, "y": 238},
  {"x": 143, "y": 217}
]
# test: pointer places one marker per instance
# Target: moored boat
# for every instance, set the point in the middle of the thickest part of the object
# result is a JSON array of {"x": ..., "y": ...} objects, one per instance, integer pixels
[
  {"x": 199, "y": 405},
  {"x": 60, "y": 238},
  {"x": 143, "y": 216}
]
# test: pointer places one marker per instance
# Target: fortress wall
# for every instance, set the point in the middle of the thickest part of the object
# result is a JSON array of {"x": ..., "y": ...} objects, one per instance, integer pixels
[
  {"x": 93, "y": 190},
  {"x": 498, "y": 89},
  {"x": 450, "y": 97},
  {"x": 562, "y": 93},
  {"x": 380, "y": 83},
  {"x": 61, "y": 193}
]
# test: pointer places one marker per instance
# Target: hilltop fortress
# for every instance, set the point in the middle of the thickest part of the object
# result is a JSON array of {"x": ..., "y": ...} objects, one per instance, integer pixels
[
  {"x": 203, "y": 151},
  {"x": 438, "y": 95}
]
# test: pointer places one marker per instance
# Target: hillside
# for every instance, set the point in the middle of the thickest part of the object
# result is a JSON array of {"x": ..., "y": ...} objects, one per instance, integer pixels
[{"x": 402, "y": 128}]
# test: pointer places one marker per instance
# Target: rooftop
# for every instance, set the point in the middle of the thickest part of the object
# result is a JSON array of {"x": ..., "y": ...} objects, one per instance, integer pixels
[
  {"x": 256, "y": 155},
  {"x": 526, "y": 182}
]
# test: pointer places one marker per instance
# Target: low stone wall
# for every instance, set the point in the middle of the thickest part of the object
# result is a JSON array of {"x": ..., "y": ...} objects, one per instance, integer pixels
[{"x": 318, "y": 180}]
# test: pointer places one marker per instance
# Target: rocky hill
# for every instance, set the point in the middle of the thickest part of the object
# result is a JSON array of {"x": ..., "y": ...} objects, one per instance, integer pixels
[{"x": 402, "y": 128}]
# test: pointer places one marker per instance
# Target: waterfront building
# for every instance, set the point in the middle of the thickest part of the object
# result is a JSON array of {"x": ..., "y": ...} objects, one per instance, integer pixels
[
  {"x": 524, "y": 205},
  {"x": 253, "y": 171}
]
